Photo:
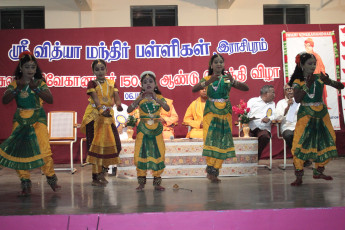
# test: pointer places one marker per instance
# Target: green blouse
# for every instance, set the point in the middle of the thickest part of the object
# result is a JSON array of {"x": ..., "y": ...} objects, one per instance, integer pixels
[{"x": 218, "y": 90}]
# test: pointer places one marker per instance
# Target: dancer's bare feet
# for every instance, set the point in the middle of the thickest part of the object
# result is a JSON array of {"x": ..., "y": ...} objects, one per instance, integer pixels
[
  {"x": 98, "y": 183},
  {"x": 216, "y": 180},
  {"x": 297, "y": 182},
  {"x": 25, "y": 192},
  {"x": 159, "y": 188},
  {"x": 213, "y": 178},
  {"x": 26, "y": 188},
  {"x": 102, "y": 178},
  {"x": 140, "y": 187},
  {"x": 55, "y": 187},
  {"x": 322, "y": 176},
  {"x": 52, "y": 181}
]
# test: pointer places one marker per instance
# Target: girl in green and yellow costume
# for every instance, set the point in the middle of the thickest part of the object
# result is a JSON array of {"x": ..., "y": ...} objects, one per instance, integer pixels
[
  {"x": 149, "y": 153},
  {"x": 28, "y": 146},
  {"x": 217, "y": 120},
  {"x": 102, "y": 138},
  {"x": 314, "y": 137}
]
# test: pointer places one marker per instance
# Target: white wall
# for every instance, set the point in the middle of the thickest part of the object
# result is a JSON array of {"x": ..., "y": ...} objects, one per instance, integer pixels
[
  {"x": 116, "y": 13},
  {"x": 58, "y": 13},
  {"x": 250, "y": 12}
]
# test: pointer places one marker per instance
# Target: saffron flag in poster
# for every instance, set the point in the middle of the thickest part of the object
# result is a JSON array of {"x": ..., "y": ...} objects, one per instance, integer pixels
[
  {"x": 322, "y": 44},
  {"x": 342, "y": 63}
]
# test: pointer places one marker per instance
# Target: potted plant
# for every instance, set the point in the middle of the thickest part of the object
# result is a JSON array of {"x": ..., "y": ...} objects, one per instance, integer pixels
[
  {"x": 131, "y": 123},
  {"x": 243, "y": 116}
]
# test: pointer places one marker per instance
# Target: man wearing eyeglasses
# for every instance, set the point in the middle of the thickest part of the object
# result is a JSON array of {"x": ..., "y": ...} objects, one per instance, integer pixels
[{"x": 286, "y": 113}]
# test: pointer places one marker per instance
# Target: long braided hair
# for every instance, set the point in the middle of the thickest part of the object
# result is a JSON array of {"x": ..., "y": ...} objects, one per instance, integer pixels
[{"x": 300, "y": 59}]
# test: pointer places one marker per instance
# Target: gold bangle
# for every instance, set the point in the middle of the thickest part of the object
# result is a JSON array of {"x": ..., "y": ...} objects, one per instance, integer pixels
[{"x": 103, "y": 108}]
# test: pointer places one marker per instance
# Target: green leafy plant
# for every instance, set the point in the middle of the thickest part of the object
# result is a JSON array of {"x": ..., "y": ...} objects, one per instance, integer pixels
[{"x": 132, "y": 121}]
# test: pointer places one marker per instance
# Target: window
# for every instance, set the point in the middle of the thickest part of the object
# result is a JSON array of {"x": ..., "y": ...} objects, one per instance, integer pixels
[
  {"x": 286, "y": 14},
  {"x": 22, "y": 18},
  {"x": 154, "y": 15}
]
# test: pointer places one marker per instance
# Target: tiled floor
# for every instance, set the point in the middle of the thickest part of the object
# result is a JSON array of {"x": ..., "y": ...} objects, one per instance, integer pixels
[{"x": 267, "y": 190}]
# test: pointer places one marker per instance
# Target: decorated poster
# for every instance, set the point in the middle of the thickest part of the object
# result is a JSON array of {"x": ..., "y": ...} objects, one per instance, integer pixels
[
  {"x": 322, "y": 45},
  {"x": 342, "y": 63}
]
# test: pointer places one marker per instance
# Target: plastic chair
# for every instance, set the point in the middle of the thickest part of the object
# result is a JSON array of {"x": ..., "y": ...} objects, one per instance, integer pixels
[
  {"x": 82, "y": 164},
  {"x": 269, "y": 167},
  {"x": 238, "y": 124},
  {"x": 284, "y": 165},
  {"x": 62, "y": 128}
]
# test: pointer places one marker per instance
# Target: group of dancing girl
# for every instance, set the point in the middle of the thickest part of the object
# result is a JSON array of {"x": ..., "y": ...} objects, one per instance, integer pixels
[{"x": 28, "y": 145}]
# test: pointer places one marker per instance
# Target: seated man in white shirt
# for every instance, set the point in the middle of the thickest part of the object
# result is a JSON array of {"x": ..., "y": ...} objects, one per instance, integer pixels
[
  {"x": 286, "y": 113},
  {"x": 262, "y": 111}
]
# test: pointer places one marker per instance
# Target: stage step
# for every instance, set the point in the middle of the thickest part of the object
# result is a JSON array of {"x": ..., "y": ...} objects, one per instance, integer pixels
[{"x": 183, "y": 159}]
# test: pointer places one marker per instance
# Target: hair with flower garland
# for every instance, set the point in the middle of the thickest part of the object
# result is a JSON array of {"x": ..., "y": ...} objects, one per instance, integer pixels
[
  {"x": 210, "y": 70},
  {"x": 25, "y": 57},
  {"x": 300, "y": 60},
  {"x": 151, "y": 74},
  {"x": 98, "y": 61}
]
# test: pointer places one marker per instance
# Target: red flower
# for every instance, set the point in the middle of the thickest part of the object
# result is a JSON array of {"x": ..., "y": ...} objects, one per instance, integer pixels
[
  {"x": 26, "y": 52},
  {"x": 242, "y": 112},
  {"x": 298, "y": 59}
]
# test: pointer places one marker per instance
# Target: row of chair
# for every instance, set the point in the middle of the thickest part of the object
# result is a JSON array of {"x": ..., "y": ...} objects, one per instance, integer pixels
[
  {"x": 269, "y": 167},
  {"x": 62, "y": 128}
]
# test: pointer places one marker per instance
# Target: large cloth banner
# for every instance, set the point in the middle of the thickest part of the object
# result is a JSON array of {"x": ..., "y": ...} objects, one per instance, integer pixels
[
  {"x": 179, "y": 56},
  {"x": 342, "y": 63},
  {"x": 323, "y": 45}
]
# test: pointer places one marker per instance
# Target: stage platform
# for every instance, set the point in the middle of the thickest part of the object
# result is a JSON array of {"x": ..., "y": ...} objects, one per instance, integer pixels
[
  {"x": 262, "y": 201},
  {"x": 183, "y": 159}
]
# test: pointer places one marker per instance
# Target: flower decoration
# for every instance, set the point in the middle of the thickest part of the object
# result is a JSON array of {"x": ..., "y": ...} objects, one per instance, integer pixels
[
  {"x": 298, "y": 59},
  {"x": 176, "y": 187},
  {"x": 26, "y": 52},
  {"x": 132, "y": 121},
  {"x": 242, "y": 110}
]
